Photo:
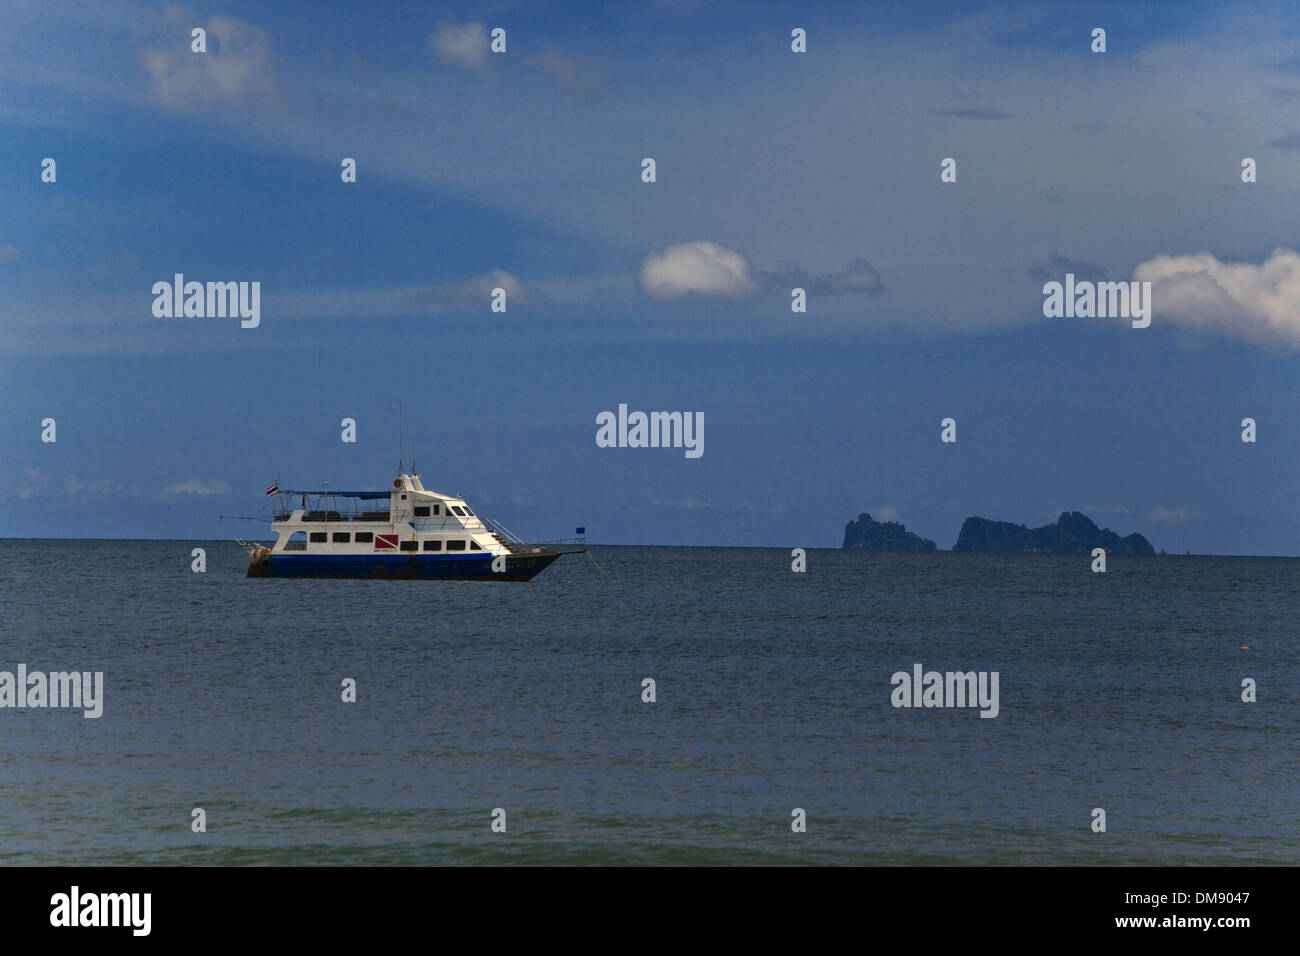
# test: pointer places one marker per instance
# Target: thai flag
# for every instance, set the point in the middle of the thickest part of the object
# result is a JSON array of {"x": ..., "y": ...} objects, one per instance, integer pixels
[{"x": 274, "y": 487}]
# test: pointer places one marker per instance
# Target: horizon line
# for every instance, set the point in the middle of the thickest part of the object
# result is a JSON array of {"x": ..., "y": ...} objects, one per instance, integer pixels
[{"x": 752, "y": 547}]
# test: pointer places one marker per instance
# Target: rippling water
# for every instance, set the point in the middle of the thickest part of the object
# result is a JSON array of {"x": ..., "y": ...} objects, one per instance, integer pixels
[{"x": 1119, "y": 691}]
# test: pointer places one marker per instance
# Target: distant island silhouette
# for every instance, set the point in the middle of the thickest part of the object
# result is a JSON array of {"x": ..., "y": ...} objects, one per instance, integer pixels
[
  {"x": 1071, "y": 533},
  {"x": 867, "y": 534}
]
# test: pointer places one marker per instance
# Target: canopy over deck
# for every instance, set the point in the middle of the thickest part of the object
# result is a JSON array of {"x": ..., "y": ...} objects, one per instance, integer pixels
[{"x": 330, "y": 492}]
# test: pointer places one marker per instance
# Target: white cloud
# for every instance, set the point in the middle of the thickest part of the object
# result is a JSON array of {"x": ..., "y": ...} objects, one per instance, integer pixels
[
  {"x": 696, "y": 268},
  {"x": 1162, "y": 515},
  {"x": 235, "y": 69},
  {"x": 573, "y": 76},
  {"x": 464, "y": 46},
  {"x": 708, "y": 269},
  {"x": 477, "y": 289},
  {"x": 102, "y": 486},
  {"x": 859, "y": 278},
  {"x": 1260, "y": 303},
  {"x": 32, "y": 482},
  {"x": 684, "y": 504},
  {"x": 195, "y": 487}
]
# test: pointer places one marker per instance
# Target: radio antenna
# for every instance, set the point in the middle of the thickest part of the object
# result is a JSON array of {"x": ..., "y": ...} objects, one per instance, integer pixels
[{"x": 399, "y": 437}]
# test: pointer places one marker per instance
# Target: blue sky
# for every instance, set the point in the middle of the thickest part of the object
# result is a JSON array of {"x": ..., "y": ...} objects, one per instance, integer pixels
[{"x": 522, "y": 170}]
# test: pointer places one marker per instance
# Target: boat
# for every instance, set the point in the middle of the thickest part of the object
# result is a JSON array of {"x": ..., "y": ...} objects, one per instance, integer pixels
[{"x": 406, "y": 533}]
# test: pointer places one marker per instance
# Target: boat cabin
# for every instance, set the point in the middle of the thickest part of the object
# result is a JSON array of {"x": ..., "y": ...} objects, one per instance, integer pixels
[{"x": 406, "y": 518}]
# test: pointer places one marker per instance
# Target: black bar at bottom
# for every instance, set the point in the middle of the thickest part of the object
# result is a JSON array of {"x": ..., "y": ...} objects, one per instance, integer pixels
[{"x": 643, "y": 906}]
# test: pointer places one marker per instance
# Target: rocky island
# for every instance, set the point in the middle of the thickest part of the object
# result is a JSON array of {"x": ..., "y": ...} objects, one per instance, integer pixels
[
  {"x": 1072, "y": 533},
  {"x": 867, "y": 534}
]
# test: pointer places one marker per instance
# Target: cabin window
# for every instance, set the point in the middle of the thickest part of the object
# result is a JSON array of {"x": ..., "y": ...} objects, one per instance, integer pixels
[
  {"x": 319, "y": 537},
  {"x": 457, "y": 510},
  {"x": 297, "y": 542},
  {"x": 431, "y": 545},
  {"x": 422, "y": 511},
  {"x": 468, "y": 512},
  {"x": 365, "y": 537},
  {"x": 410, "y": 545},
  {"x": 473, "y": 545},
  {"x": 437, "y": 510},
  {"x": 455, "y": 545},
  {"x": 342, "y": 537}
]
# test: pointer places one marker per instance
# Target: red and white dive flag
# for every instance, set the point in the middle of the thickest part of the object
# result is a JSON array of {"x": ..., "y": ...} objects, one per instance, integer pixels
[
  {"x": 385, "y": 542},
  {"x": 273, "y": 487}
]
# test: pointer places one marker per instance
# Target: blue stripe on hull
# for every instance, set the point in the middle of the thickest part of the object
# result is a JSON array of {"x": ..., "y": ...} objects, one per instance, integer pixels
[{"x": 417, "y": 566}]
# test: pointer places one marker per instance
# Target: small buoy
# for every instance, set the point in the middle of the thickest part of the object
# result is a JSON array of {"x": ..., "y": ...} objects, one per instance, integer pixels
[{"x": 1245, "y": 647}]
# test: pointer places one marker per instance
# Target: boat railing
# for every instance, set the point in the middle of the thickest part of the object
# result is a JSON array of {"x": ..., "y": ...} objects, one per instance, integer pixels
[
  {"x": 554, "y": 545},
  {"x": 332, "y": 514},
  {"x": 501, "y": 531},
  {"x": 517, "y": 545}
]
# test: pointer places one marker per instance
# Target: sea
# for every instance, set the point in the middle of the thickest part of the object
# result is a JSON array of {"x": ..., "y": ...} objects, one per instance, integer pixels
[{"x": 508, "y": 723}]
